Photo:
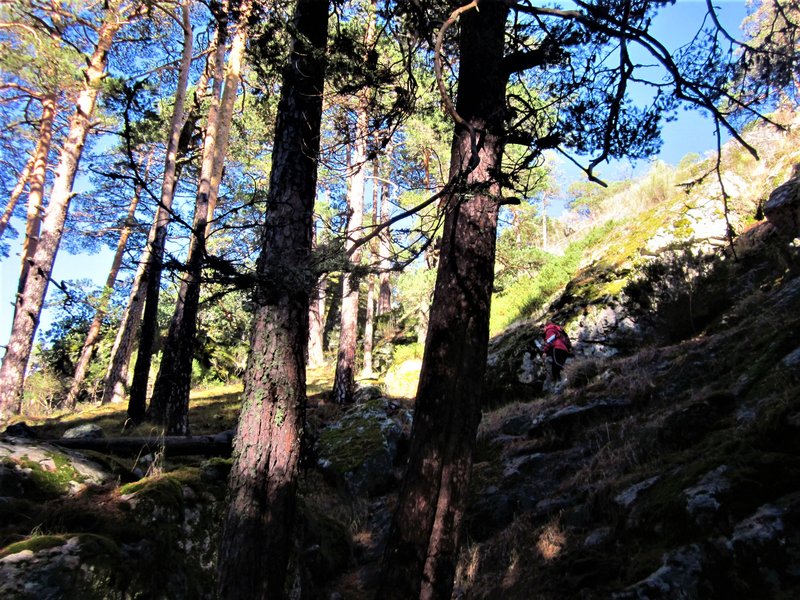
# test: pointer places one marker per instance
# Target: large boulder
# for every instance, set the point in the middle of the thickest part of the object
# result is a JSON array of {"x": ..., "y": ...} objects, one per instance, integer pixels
[
  {"x": 360, "y": 450},
  {"x": 782, "y": 209},
  {"x": 68, "y": 531}
]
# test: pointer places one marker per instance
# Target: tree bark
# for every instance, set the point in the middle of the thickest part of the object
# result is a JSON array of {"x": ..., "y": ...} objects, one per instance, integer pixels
[
  {"x": 33, "y": 223},
  {"x": 369, "y": 319},
  {"x": 204, "y": 445},
  {"x": 154, "y": 255},
  {"x": 145, "y": 288},
  {"x": 15, "y": 194},
  {"x": 26, "y": 319},
  {"x": 316, "y": 329},
  {"x": 344, "y": 380},
  {"x": 385, "y": 241},
  {"x": 257, "y": 530},
  {"x": 94, "y": 329},
  {"x": 421, "y": 553},
  {"x": 170, "y": 401}
]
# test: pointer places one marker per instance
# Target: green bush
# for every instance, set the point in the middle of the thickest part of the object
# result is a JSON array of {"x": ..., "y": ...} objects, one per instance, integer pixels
[{"x": 529, "y": 294}]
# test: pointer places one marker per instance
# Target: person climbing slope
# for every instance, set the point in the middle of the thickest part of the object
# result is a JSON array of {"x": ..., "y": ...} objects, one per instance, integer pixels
[{"x": 557, "y": 347}]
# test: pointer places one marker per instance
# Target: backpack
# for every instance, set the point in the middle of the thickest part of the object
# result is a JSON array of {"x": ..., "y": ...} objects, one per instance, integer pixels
[{"x": 562, "y": 335}]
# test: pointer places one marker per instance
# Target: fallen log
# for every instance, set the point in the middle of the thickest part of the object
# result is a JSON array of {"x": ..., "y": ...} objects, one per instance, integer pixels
[{"x": 202, "y": 445}]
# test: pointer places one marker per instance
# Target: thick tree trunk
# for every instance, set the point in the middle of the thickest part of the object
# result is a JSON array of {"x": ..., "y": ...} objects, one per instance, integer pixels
[
  {"x": 154, "y": 255},
  {"x": 26, "y": 319},
  {"x": 15, "y": 194},
  {"x": 144, "y": 290},
  {"x": 344, "y": 382},
  {"x": 421, "y": 554},
  {"x": 257, "y": 531},
  {"x": 115, "y": 383},
  {"x": 94, "y": 329},
  {"x": 170, "y": 401},
  {"x": 33, "y": 223}
]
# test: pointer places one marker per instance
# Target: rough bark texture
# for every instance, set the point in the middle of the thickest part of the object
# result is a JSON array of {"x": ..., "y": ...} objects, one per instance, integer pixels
[
  {"x": 257, "y": 531},
  {"x": 26, "y": 319},
  {"x": 422, "y": 549},
  {"x": 170, "y": 402}
]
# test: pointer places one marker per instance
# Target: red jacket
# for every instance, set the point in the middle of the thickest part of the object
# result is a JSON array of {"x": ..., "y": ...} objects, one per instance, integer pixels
[{"x": 555, "y": 337}]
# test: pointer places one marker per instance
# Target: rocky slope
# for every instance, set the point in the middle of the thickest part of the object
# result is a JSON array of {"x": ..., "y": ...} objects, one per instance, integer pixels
[
  {"x": 667, "y": 467},
  {"x": 669, "y": 472}
]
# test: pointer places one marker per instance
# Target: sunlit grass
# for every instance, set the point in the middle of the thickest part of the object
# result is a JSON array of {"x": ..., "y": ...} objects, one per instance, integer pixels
[{"x": 211, "y": 410}]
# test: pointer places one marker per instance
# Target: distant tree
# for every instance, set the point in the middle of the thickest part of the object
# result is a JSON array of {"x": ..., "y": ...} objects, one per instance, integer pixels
[
  {"x": 769, "y": 71},
  {"x": 170, "y": 401},
  {"x": 256, "y": 536},
  {"x": 93, "y": 333},
  {"x": 146, "y": 285},
  {"x": 12, "y": 373},
  {"x": 344, "y": 378}
]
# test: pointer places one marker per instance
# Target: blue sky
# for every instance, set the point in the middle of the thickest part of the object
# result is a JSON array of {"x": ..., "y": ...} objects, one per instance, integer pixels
[{"x": 692, "y": 132}]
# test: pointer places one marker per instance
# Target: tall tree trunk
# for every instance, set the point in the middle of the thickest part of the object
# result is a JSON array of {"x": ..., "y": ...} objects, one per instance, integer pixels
[
  {"x": 316, "y": 310},
  {"x": 385, "y": 240},
  {"x": 316, "y": 328},
  {"x": 257, "y": 530},
  {"x": 170, "y": 401},
  {"x": 369, "y": 328},
  {"x": 33, "y": 223},
  {"x": 344, "y": 380},
  {"x": 15, "y": 194},
  {"x": 26, "y": 319},
  {"x": 97, "y": 322},
  {"x": 421, "y": 554},
  {"x": 145, "y": 288},
  {"x": 369, "y": 320},
  {"x": 154, "y": 255}
]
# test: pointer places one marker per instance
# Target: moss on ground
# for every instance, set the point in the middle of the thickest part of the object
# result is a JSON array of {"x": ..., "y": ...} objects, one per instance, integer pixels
[
  {"x": 34, "y": 543},
  {"x": 347, "y": 446},
  {"x": 164, "y": 491}
]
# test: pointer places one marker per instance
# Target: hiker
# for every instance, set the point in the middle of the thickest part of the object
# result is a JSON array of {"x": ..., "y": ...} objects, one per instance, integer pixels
[{"x": 557, "y": 347}]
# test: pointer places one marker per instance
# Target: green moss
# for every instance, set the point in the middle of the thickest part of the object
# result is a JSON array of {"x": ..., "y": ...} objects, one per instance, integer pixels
[
  {"x": 34, "y": 544},
  {"x": 348, "y": 445},
  {"x": 280, "y": 416},
  {"x": 614, "y": 288},
  {"x": 40, "y": 483},
  {"x": 164, "y": 491}
]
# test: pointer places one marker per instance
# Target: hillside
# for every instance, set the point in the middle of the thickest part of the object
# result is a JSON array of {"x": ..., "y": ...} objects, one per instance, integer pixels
[{"x": 667, "y": 467}]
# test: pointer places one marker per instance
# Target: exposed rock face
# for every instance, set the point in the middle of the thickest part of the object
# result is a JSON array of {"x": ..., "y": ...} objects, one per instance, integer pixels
[
  {"x": 361, "y": 449},
  {"x": 783, "y": 207},
  {"x": 671, "y": 473},
  {"x": 155, "y": 538}
]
